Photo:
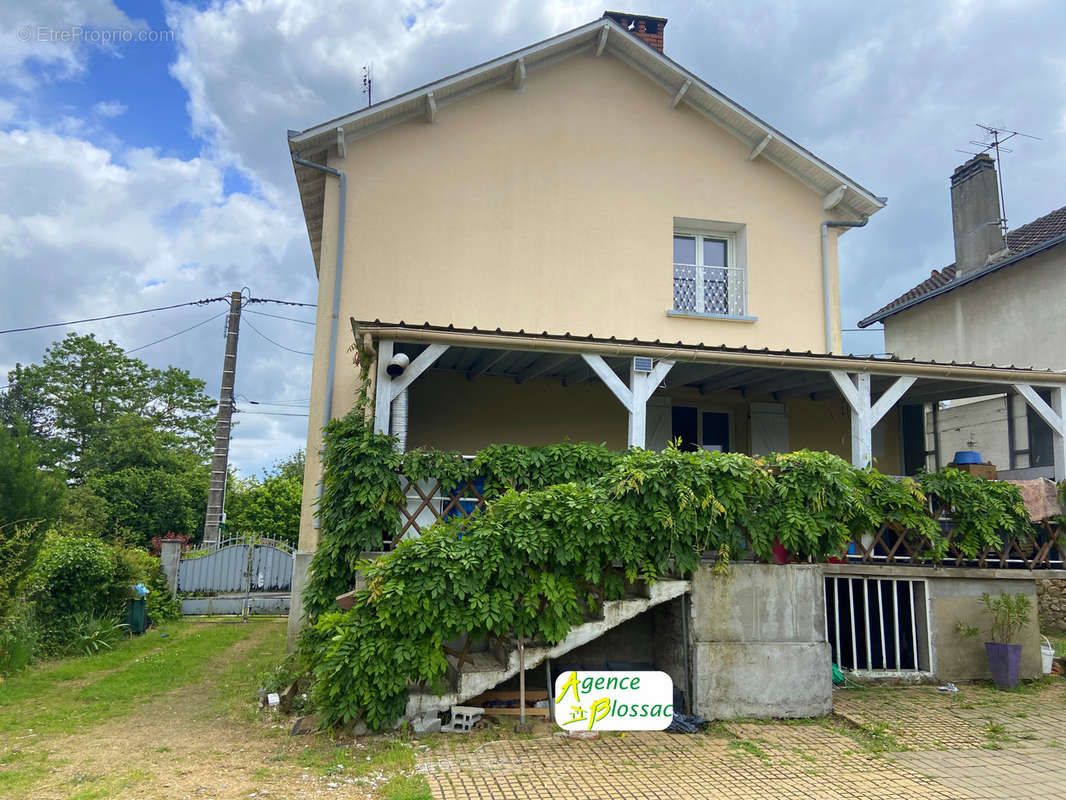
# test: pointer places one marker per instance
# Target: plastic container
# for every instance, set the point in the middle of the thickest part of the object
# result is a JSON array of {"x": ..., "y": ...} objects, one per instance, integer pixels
[
  {"x": 137, "y": 615},
  {"x": 1047, "y": 655},
  {"x": 967, "y": 457}
]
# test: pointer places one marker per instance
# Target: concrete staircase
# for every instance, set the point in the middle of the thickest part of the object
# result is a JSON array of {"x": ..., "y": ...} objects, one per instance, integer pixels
[{"x": 486, "y": 670}]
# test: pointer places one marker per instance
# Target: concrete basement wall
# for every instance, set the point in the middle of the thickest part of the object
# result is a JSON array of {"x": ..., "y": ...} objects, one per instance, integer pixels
[
  {"x": 758, "y": 642},
  {"x": 952, "y": 600}
]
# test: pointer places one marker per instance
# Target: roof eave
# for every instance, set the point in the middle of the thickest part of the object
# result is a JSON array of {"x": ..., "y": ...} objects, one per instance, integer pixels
[{"x": 881, "y": 316}]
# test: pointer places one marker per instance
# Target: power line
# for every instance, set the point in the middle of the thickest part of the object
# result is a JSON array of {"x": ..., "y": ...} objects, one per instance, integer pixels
[
  {"x": 280, "y": 302},
  {"x": 278, "y": 316},
  {"x": 271, "y": 413},
  {"x": 277, "y": 344},
  {"x": 179, "y": 333},
  {"x": 114, "y": 316}
]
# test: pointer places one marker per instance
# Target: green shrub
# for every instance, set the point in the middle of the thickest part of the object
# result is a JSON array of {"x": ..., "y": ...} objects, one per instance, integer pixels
[
  {"x": 19, "y": 545},
  {"x": 134, "y": 566},
  {"x": 75, "y": 574},
  {"x": 90, "y": 634},
  {"x": 18, "y": 639}
]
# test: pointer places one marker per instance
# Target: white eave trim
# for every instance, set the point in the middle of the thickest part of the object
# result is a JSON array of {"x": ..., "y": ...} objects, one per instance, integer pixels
[{"x": 632, "y": 51}]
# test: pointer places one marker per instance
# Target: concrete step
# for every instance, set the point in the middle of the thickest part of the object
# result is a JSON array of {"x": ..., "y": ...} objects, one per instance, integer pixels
[{"x": 473, "y": 680}]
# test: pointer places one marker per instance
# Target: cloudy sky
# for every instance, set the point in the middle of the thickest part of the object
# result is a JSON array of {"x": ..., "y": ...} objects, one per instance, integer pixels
[{"x": 136, "y": 174}]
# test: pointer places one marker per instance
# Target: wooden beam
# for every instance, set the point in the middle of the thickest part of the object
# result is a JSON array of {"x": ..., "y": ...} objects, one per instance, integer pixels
[
  {"x": 890, "y": 397},
  {"x": 611, "y": 379},
  {"x": 847, "y": 387},
  {"x": 834, "y": 198},
  {"x": 643, "y": 385},
  {"x": 1054, "y": 416},
  {"x": 431, "y": 108},
  {"x": 757, "y": 149},
  {"x": 545, "y": 366},
  {"x": 1036, "y": 402},
  {"x": 602, "y": 42},
  {"x": 423, "y": 362},
  {"x": 731, "y": 379},
  {"x": 518, "y": 80},
  {"x": 681, "y": 93},
  {"x": 342, "y": 150},
  {"x": 779, "y": 382},
  {"x": 486, "y": 364}
]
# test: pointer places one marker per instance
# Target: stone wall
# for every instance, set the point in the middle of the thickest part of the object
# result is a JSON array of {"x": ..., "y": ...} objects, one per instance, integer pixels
[{"x": 1051, "y": 598}]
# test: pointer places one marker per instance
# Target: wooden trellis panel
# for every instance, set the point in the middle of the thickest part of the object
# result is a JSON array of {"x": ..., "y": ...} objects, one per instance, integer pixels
[{"x": 428, "y": 501}]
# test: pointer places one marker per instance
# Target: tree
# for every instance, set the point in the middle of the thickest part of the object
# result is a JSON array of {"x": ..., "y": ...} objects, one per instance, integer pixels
[
  {"x": 27, "y": 493},
  {"x": 271, "y": 506},
  {"x": 73, "y": 399}
]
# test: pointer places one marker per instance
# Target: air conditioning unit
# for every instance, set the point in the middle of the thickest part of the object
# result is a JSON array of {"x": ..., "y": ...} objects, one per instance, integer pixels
[{"x": 642, "y": 364}]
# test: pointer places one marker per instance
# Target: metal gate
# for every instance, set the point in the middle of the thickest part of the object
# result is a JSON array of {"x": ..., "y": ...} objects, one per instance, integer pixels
[
  {"x": 240, "y": 576},
  {"x": 877, "y": 626}
]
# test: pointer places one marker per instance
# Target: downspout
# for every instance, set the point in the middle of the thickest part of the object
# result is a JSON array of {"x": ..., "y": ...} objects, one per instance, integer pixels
[
  {"x": 827, "y": 290},
  {"x": 337, "y": 273}
]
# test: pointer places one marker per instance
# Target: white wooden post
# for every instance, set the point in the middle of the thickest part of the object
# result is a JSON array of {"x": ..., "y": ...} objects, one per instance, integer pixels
[
  {"x": 864, "y": 415},
  {"x": 1059, "y": 435},
  {"x": 382, "y": 395},
  {"x": 1053, "y": 416},
  {"x": 635, "y": 396},
  {"x": 857, "y": 395},
  {"x": 388, "y": 388}
]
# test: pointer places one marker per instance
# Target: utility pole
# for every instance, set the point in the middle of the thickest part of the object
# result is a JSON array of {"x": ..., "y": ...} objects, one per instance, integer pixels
[{"x": 216, "y": 493}]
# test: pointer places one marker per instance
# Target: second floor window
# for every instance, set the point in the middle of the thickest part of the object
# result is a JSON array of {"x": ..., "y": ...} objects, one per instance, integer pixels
[{"x": 706, "y": 279}]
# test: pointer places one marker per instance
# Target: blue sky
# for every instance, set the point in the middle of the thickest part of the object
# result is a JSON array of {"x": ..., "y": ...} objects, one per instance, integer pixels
[{"x": 143, "y": 174}]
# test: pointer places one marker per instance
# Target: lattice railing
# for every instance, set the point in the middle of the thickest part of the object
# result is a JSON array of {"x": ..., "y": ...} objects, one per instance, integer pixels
[
  {"x": 428, "y": 501},
  {"x": 1044, "y": 548}
]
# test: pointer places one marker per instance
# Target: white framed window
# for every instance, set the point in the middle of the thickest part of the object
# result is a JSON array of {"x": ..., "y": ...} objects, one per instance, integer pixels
[{"x": 709, "y": 271}]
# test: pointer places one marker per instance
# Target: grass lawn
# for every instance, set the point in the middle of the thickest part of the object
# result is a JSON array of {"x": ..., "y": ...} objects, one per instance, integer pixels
[{"x": 171, "y": 714}]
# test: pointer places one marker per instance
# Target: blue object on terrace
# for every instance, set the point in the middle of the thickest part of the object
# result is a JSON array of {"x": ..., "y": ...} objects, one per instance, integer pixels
[
  {"x": 140, "y": 590},
  {"x": 968, "y": 457}
]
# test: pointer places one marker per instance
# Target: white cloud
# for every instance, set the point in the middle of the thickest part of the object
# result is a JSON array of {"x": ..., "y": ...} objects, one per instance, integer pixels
[
  {"x": 86, "y": 232},
  {"x": 109, "y": 109},
  {"x": 40, "y": 39}
]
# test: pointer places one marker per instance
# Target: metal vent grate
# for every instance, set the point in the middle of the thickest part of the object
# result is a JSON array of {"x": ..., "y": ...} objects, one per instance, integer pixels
[{"x": 642, "y": 364}]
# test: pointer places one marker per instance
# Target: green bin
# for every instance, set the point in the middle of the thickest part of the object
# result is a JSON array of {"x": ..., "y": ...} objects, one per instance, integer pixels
[{"x": 137, "y": 615}]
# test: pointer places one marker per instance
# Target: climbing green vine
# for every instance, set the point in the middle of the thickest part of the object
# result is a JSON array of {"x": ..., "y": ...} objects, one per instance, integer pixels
[{"x": 566, "y": 527}]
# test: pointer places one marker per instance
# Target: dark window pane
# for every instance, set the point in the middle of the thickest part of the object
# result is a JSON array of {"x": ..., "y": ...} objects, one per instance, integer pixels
[
  {"x": 716, "y": 429},
  {"x": 684, "y": 249},
  {"x": 684, "y": 426},
  {"x": 714, "y": 253}
]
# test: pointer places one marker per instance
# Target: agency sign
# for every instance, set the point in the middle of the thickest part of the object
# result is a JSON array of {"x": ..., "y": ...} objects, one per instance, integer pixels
[{"x": 614, "y": 701}]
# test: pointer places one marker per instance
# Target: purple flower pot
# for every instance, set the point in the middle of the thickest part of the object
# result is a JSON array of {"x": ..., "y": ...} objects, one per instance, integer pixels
[{"x": 1005, "y": 661}]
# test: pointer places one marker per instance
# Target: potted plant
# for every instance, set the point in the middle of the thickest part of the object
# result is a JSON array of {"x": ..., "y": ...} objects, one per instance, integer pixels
[{"x": 1009, "y": 613}]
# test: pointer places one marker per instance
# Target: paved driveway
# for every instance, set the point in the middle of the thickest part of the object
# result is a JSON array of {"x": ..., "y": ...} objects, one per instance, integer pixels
[{"x": 881, "y": 743}]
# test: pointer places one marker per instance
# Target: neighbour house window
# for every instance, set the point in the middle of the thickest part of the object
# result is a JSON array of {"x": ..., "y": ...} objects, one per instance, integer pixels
[{"x": 707, "y": 279}]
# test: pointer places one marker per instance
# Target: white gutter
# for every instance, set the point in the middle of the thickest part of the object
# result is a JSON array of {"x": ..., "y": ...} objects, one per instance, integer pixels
[{"x": 692, "y": 355}]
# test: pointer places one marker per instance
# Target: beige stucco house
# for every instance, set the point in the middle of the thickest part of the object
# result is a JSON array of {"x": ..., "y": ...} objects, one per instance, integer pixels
[
  {"x": 582, "y": 240},
  {"x": 1000, "y": 302}
]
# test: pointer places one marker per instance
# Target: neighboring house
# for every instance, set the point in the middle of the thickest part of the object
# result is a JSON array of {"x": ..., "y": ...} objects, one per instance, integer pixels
[
  {"x": 582, "y": 240},
  {"x": 1000, "y": 303}
]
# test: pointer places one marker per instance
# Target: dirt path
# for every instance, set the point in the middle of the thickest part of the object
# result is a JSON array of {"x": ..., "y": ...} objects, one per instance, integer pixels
[{"x": 198, "y": 740}]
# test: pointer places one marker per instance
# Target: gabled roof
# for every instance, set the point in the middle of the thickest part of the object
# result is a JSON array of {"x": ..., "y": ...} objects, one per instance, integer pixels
[
  {"x": 1028, "y": 240},
  {"x": 600, "y": 36}
]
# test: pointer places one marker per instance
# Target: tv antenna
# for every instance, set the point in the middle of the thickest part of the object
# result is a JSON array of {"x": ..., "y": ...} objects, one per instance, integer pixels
[
  {"x": 368, "y": 82},
  {"x": 998, "y": 135}
]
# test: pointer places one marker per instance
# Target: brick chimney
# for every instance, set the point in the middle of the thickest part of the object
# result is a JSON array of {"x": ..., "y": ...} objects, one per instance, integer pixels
[
  {"x": 975, "y": 215},
  {"x": 648, "y": 29}
]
